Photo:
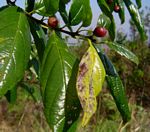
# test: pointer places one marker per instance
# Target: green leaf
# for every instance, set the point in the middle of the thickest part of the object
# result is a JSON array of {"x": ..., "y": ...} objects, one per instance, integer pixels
[
  {"x": 112, "y": 29},
  {"x": 107, "y": 11},
  {"x": 30, "y": 5},
  {"x": 76, "y": 12},
  {"x": 40, "y": 8},
  {"x": 87, "y": 13},
  {"x": 121, "y": 11},
  {"x": 39, "y": 38},
  {"x": 136, "y": 18},
  {"x": 75, "y": 126},
  {"x": 55, "y": 73},
  {"x": 104, "y": 7},
  {"x": 116, "y": 88},
  {"x": 80, "y": 11},
  {"x": 91, "y": 75},
  {"x": 64, "y": 15},
  {"x": 123, "y": 51},
  {"x": 15, "y": 43},
  {"x": 64, "y": 1},
  {"x": 11, "y": 95},
  {"x": 109, "y": 68},
  {"x": 139, "y": 3},
  {"x": 118, "y": 93},
  {"x": 72, "y": 107},
  {"x": 51, "y": 6},
  {"x": 104, "y": 21},
  {"x": 32, "y": 90}
]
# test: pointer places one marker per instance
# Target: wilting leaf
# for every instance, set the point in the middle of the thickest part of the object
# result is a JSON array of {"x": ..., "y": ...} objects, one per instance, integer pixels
[{"x": 91, "y": 75}]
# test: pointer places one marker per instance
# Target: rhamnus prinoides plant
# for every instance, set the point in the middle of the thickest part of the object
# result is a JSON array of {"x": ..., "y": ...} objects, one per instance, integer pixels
[{"x": 69, "y": 84}]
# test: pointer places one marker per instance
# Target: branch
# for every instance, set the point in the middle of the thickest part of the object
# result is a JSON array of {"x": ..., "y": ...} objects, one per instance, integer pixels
[{"x": 72, "y": 34}]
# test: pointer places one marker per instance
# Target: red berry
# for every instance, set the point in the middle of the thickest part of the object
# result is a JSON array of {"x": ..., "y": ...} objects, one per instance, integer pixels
[
  {"x": 100, "y": 31},
  {"x": 110, "y": 2},
  {"x": 116, "y": 8},
  {"x": 52, "y": 22}
]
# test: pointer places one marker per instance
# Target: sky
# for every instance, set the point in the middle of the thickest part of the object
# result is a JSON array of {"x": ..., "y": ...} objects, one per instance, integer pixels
[{"x": 96, "y": 12}]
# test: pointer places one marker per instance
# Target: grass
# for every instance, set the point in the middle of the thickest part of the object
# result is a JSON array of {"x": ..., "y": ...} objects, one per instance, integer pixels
[{"x": 26, "y": 115}]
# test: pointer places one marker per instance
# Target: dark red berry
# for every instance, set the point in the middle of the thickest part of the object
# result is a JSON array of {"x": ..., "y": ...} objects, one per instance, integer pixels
[
  {"x": 52, "y": 22},
  {"x": 110, "y": 2},
  {"x": 116, "y": 8},
  {"x": 100, "y": 31}
]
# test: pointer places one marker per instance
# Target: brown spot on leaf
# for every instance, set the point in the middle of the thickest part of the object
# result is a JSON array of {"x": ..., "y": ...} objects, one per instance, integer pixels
[{"x": 83, "y": 69}]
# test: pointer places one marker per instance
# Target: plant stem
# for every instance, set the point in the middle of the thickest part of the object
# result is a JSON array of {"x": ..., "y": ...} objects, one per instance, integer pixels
[{"x": 72, "y": 34}]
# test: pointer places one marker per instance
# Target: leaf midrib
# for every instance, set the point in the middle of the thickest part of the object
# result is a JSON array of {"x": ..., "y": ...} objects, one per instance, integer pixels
[
  {"x": 11, "y": 51},
  {"x": 62, "y": 70}
]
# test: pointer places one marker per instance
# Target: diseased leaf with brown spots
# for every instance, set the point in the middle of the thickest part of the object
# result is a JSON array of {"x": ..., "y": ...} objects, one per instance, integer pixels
[{"x": 90, "y": 78}]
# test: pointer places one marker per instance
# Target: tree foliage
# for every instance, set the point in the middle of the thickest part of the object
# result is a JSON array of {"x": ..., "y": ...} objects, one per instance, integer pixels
[{"x": 69, "y": 85}]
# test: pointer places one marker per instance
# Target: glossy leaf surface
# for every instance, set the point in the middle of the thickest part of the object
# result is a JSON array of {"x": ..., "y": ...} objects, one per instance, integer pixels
[
  {"x": 80, "y": 11},
  {"x": 15, "y": 43},
  {"x": 39, "y": 7},
  {"x": 107, "y": 11},
  {"x": 104, "y": 7},
  {"x": 87, "y": 13},
  {"x": 64, "y": 14},
  {"x": 39, "y": 38},
  {"x": 112, "y": 29},
  {"x": 123, "y": 51},
  {"x": 136, "y": 18},
  {"x": 118, "y": 93},
  {"x": 51, "y": 6},
  {"x": 91, "y": 75},
  {"x": 55, "y": 73},
  {"x": 76, "y": 12},
  {"x": 72, "y": 107},
  {"x": 121, "y": 11},
  {"x": 104, "y": 21},
  {"x": 116, "y": 88}
]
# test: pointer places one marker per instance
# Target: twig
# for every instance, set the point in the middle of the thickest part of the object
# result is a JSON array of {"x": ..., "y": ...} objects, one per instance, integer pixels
[{"x": 72, "y": 34}]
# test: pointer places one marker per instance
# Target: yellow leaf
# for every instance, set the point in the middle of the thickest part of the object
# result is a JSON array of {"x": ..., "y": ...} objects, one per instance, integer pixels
[{"x": 90, "y": 78}]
